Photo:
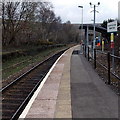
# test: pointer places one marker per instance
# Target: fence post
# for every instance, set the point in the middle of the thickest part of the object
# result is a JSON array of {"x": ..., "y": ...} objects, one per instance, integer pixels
[
  {"x": 88, "y": 53},
  {"x": 108, "y": 60},
  {"x": 85, "y": 50},
  {"x": 94, "y": 58}
]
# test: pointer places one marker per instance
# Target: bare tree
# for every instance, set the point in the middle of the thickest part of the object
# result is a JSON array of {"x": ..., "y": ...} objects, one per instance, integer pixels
[
  {"x": 15, "y": 16},
  {"x": 31, "y": 22}
]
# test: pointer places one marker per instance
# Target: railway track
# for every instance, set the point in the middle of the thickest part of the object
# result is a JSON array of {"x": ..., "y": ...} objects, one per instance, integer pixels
[
  {"x": 24, "y": 62},
  {"x": 17, "y": 94}
]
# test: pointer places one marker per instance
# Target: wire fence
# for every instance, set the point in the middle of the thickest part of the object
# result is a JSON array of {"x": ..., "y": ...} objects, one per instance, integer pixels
[{"x": 106, "y": 64}]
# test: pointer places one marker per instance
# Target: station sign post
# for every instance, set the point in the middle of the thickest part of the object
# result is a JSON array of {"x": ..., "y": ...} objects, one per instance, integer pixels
[
  {"x": 112, "y": 28},
  {"x": 103, "y": 45}
]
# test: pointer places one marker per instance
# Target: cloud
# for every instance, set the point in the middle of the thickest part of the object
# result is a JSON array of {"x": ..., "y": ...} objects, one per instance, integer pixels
[{"x": 68, "y": 10}]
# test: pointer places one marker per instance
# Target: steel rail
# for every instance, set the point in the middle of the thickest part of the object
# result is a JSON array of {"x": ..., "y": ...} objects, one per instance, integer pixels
[
  {"x": 21, "y": 76},
  {"x": 26, "y": 100},
  {"x": 101, "y": 52},
  {"x": 105, "y": 53},
  {"x": 102, "y": 65},
  {"x": 115, "y": 75},
  {"x": 115, "y": 56},
  {"x": 23, "y": 105},
  {"x": 107, "y": 69}
]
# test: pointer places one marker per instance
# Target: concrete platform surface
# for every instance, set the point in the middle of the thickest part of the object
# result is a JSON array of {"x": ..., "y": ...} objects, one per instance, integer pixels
[
  {"x": 72, "y": 89},
  {"x": 53, "y": 98},
  {"x": 91, "y": 97}
]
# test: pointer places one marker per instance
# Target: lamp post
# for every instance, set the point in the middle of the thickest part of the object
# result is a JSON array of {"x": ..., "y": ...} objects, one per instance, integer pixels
[
  {"x": 94, "y": 6},
  {"x": 81, "y": 23}
]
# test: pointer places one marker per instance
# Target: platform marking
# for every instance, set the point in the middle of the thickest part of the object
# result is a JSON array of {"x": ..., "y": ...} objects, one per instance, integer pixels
[{"x": 24, "y": 113}]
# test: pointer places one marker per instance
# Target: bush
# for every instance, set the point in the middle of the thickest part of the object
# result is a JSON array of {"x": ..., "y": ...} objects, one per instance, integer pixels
[{"x": 44, "y": 42}]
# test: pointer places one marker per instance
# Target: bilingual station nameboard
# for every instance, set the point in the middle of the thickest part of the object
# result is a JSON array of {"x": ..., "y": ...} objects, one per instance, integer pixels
[{"x": 112, "y": 27}]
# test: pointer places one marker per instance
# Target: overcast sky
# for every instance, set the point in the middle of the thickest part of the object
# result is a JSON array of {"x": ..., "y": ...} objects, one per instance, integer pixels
[{"x": 68, "y": 10}]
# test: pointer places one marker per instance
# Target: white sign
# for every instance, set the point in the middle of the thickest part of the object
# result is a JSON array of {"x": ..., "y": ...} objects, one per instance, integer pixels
[{"x": 112, "y": 26}]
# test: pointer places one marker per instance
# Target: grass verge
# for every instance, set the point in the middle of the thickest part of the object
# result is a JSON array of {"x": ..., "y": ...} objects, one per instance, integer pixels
[{"x": 28, "y": 60}]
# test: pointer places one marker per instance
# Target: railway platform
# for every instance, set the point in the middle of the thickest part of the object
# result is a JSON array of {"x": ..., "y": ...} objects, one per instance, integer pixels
[{"x": 72, "y": 89}]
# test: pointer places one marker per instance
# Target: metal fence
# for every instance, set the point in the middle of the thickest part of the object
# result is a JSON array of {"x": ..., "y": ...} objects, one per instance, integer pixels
[{"x": 103, "y": 60}]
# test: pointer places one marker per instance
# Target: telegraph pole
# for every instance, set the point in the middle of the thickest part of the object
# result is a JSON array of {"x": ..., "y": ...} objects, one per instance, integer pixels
[
  {"x": 94, "y": 6},
  {"x": 94, "y": 30}
]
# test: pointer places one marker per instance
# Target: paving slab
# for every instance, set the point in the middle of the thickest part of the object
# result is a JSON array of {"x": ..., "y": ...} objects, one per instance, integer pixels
[
  {"x": 54, "y": 98},
  {"x": 45, "y": 102},
  {"x": 63, "y": 105},
  {"x": 42, "y": 109}
]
